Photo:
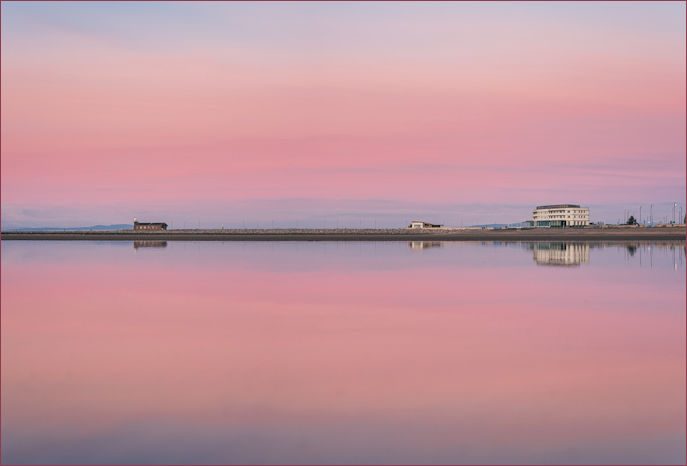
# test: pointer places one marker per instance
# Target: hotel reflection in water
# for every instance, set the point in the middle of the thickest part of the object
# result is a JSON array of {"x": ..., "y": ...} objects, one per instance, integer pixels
[
  {"x": 150, "y": 244},
  {"x": 560, "y": 253},
  {"x": 419, "y": 245}
]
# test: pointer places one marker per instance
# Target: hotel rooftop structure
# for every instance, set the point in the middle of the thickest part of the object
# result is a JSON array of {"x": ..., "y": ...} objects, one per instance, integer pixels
[{"x": 560, "y": 215}]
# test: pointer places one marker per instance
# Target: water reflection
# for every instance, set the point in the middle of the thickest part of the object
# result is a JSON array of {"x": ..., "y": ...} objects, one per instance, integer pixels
[
  {"x": 419, "y": 245},
  {"x": 644, "y": 253},
  {"x": 560, "y": 253},
  {"x": 150, "y": 244},
  {"x": 330, "y": 353}
]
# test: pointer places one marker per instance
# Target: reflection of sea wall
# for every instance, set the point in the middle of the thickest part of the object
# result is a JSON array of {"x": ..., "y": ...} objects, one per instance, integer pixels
[
  {"x": 150, "y": 244},
  {"x": 560, "y": 253},
  {"x": 424, "y": 244}
]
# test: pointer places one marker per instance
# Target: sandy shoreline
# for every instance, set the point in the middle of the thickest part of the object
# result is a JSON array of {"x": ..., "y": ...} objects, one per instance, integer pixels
[{"x": 592, "y": 234}]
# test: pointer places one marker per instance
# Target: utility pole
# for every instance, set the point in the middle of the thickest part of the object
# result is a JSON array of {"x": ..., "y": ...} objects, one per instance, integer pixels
[
  {"x": 640, "y": 214},
  {"x": 674, "y": 205},
  {"x": 651, "y": 213}
]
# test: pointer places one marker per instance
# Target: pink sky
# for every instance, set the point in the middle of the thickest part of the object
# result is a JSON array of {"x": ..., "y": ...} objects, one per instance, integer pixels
[{"x": 114, "y": 112}]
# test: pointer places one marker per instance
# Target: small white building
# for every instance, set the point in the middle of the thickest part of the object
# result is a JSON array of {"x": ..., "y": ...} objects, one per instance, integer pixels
[
  {"x": 417, "y": 224},
  {"x": 560, "y": 215}
]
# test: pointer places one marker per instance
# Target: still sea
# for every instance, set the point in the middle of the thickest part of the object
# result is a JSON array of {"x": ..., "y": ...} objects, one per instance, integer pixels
[{"x": 153, "y": 352}]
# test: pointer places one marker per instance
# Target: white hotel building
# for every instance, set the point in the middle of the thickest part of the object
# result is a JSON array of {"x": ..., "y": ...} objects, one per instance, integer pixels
[{"x": 560, "y": 215}]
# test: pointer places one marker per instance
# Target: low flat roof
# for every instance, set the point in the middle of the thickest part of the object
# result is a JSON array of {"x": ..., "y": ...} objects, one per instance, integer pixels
[{"x": 557, "y": 206}]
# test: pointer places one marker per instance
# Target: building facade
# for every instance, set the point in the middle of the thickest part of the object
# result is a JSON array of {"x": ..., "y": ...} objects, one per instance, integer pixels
[
  {"x": 560, "y": 215},
  {"x": 149, "y": 226}
]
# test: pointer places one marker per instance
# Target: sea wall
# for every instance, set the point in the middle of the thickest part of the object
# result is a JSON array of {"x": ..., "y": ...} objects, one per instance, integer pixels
[{"x": 401, "y": 234}]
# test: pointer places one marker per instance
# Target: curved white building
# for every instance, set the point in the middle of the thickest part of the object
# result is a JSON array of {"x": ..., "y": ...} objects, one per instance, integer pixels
[{"x": 560, "y": 215}]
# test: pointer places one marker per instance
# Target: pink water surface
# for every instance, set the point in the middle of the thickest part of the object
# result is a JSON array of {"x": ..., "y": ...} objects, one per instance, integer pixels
[{"x": 207, "y": 353}]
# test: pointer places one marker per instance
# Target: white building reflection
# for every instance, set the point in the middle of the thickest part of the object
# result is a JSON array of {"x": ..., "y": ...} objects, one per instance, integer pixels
[
  {"x": 419, "y": 245},
  {"x": 559, "y": 253},
  {"x": 150, "y": 244}
]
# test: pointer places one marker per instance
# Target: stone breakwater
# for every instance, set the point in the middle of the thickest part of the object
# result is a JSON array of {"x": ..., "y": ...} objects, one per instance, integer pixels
[{"x": 341, "y": 234}]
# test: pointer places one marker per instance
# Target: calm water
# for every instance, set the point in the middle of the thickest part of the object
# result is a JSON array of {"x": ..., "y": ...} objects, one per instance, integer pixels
[{"x": 204, "y": 353}]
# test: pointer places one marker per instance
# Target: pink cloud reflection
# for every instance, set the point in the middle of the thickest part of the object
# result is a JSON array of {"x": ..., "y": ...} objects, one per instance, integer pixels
[{"x": 89, "y": 346}]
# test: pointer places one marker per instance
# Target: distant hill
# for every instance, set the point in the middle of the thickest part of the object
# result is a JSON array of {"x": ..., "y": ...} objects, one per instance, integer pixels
[
  {"x": 490, "y": 225},
  {"x": 120, "y": 226},
  {"x": 503, "y": 225}
]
